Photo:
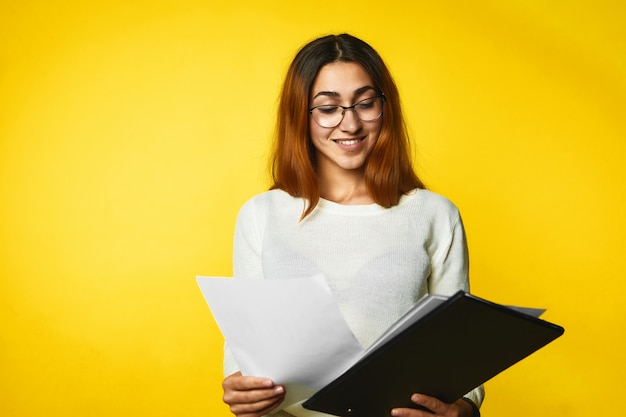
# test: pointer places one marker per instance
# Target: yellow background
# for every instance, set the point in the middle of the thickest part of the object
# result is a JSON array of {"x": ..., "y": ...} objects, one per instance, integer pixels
[{"x": 132, "y": 131}]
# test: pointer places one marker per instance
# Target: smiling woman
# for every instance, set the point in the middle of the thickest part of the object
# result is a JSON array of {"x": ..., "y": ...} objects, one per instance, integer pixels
[
  {"x": 343, "y": 180},
  {"x": 341, "y": 70}
]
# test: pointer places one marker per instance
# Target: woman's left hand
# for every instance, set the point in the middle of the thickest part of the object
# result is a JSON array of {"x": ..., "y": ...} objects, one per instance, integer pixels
[{"x": 459, "y": 408}]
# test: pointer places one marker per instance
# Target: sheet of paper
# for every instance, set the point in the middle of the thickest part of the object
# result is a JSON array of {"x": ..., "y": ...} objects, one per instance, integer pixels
[
  {"x": 290, "y": 330},
  {"x": 423, "y": 307},
  {"x": 534, "y": 312}
]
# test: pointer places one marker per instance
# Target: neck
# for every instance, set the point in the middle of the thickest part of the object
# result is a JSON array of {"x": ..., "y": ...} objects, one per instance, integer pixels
[{"x": 349, "y": 188}]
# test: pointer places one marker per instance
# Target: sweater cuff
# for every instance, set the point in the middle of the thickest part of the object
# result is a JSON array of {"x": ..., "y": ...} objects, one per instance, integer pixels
[{"x": 475, "y": 410}]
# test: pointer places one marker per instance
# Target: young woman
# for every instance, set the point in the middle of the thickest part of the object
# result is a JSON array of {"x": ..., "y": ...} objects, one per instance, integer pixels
[{"x": 346, "y": 202}]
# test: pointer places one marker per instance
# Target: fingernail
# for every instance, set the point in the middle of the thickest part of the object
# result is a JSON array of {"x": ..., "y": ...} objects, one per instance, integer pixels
[
  {"x": 395, "y": 412},
  {"x": 415, "y": 398},
  {"x": 279, "y": 389},
  {"x": 268, "y": 383}
]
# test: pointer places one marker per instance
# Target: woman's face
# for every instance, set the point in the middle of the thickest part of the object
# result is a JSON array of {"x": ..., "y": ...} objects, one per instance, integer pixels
[{"x": 346, "y": 146}]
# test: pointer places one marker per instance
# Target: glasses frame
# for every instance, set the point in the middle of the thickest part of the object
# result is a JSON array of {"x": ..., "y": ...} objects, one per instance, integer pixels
[{"x": 352, "y": 107}]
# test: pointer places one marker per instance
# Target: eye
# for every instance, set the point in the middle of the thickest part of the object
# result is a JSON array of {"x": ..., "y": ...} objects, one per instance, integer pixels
[
  {"x": 368, "y": 103},
  {"x": 328, "y": 109}
]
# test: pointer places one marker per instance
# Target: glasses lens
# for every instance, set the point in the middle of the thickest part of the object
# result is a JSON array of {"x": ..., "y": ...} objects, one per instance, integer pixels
[
  {"x": 332, "y": 115},
  {"x": 369, "y": 109},
  {"x": 327, "y": 116}
]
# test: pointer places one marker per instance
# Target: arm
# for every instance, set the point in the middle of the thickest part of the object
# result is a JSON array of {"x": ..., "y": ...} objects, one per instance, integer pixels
[
  {"x": 248, "y": 241},
  {"x": 246, "y": 261},
  {"x": 248, "y": 396},
  {"x": 450, "y": 273},
  {"x": 450, "y": 257}
]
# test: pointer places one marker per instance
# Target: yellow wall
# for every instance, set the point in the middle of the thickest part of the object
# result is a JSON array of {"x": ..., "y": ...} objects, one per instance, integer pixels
[{"x": 132, "y": 131}]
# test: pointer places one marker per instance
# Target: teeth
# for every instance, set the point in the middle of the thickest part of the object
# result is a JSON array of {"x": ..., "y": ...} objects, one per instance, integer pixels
[{"x": 348, "y": 142}]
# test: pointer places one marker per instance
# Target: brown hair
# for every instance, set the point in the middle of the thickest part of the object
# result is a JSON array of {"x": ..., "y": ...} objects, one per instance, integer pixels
[{"x": 388, "y": 172}]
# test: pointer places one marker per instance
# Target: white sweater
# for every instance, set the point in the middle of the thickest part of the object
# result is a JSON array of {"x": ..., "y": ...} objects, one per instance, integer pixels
[{"x": 378, "y": 262}]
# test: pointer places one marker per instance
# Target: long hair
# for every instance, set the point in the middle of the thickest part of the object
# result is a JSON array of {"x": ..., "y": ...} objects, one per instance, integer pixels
[{"x": 388, "y": 171}]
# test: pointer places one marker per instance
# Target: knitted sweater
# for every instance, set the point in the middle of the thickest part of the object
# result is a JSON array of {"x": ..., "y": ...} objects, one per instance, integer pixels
[{"x": 378, "y": 261}]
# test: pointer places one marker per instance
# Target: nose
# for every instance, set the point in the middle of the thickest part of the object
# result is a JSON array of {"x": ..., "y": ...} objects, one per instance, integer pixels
[{"x": 350, "y": 121}]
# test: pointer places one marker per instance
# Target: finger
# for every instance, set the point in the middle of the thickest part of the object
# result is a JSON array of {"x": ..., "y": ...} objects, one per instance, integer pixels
[
  {"x": 242, "y": 383},
  {"x": 433, "y": 404},
  {"x": 232, "y": 396},
  {"x": 256, "y": 409},
  {"x": 410, "y": 412}
]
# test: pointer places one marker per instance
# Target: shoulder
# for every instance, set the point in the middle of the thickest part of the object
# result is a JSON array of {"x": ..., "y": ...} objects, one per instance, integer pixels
[
  {"x": 430, "y": 211},
  {"x": 269, "y": 199},
  {"x": 428, "y": 202},
  {"x": 273, "y": 201}
]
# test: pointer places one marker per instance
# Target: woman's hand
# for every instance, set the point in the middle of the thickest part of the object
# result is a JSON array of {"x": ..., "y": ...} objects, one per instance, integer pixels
[
  {"x": 250, "y": 396},
  {"x": 459, "y": 408}
]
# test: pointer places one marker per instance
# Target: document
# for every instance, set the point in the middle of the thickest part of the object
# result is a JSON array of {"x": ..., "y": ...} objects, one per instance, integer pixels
[
  {"x": 444, "y": 347},
  {"x": 292, "y": 331},
  {"x": 289, "y": 330}
]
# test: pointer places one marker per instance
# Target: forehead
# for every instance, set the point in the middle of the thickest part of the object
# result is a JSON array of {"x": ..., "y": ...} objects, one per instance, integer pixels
[{"x": 343, "y": 78}]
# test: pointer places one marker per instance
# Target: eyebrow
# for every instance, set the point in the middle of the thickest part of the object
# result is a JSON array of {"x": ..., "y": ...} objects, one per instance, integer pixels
[{"x": 357, "y": 92}]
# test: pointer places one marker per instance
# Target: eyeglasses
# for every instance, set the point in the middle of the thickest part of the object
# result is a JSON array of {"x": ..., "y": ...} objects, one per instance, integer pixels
[{"x": 331, "y": 115}]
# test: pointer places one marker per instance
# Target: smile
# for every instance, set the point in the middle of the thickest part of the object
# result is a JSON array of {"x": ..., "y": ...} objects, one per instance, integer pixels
[{"x": 347, "y": 142}]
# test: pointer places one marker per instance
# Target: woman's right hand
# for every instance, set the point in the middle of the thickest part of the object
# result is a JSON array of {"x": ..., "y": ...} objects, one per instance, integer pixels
[{"x": 250, "y": 396}]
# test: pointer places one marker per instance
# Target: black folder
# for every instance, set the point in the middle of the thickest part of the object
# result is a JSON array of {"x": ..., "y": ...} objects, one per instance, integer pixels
[{"x": 452, "y": 349}]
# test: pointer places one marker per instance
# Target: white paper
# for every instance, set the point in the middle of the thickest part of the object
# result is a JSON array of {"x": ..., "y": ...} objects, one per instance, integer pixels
[
  {"x": 533, "y": 312},
  {"x": 289, "y": 330},
  {"x": 424, "y": 306}
]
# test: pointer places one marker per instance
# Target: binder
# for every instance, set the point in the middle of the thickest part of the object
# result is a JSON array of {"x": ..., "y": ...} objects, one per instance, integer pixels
[{"x": 453, "y": 348}]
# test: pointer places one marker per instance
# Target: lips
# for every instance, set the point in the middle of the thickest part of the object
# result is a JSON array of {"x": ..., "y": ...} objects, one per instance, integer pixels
[{"x": 347, "y": 142}]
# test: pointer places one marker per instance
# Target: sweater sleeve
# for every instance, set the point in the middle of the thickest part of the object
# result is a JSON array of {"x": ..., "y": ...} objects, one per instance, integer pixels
[
  {"x": 450, "y": 272},
  {"x": 247, "y": 243},
  {"x": 450, "y": 261},
  {"x": 246, "y": 261}
]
